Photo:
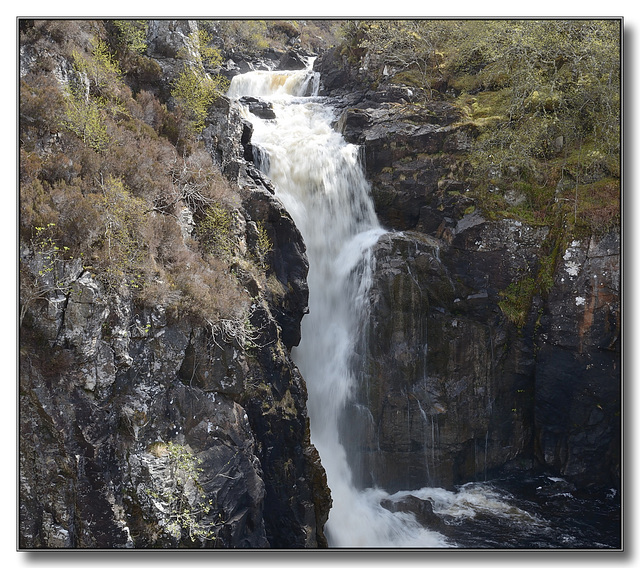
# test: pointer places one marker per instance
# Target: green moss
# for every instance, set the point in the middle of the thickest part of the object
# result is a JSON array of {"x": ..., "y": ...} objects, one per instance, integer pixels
[
  {"x": 485, "y": 106},
  {"x": 517, "y": 299}
]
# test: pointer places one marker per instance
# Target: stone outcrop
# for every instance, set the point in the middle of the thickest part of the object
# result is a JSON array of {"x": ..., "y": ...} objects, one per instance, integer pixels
[
  {"x": 450, "y": 389},
  {"x": 577, "y": 373},
  {"x": 118, "y": 401}
]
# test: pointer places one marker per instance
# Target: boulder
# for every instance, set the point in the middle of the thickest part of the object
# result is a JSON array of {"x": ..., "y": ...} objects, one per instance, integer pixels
[
  {"x": 421, "y": 509},
  {"x": 262, "y": 109}
]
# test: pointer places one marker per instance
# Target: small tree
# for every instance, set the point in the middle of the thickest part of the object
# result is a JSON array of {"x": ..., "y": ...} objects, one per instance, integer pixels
[
  {"x": 51, "y": 276},
  {"x": 194, "y": 91},
  {"x": 132, "y": 34},
  {"x": 183, "y": 499},
  {"x": 85, "y": 117}
]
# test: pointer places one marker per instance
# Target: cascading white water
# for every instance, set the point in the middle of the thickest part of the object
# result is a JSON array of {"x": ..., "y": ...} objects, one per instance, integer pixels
[{"x": 319, "y": 179}]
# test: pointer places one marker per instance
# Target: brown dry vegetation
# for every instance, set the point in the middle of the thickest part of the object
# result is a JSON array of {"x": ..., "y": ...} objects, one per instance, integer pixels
[{"x": 109, "y": 172}]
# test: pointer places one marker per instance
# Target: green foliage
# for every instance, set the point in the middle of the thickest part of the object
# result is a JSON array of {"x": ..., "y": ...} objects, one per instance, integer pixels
[
  {"x": 101, "y": 68},
  {"x": 214, "y": 231},
  {"x": 564, "y": 75},
  {"x": 85, "y": 117},
  {"x": 211, "y": 56},
  {"x": 51, "y": 277},
  {"x": 183, "y": 498},
  {"x": 537, "y": 91},
  {"x": 517, "y": 298},
  {"x": 251, "y": 36},
  {"x": 133, "y": 34},
  {"x": 410, "y": 47},
  {"x": 263, "y": 244},
  {"x": 194, "y": 92},
  {"x": 111, "y": 183},
  {"x": 122, "y": 243},
  {"x": 92, "y": 94}
]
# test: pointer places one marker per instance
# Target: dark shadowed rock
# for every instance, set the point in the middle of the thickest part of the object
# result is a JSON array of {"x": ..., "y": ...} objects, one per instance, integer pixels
[
  {"x": 262, "y": 109},
  {"x": 421, "y": 509},
  {"x": 451, "y": 389}
]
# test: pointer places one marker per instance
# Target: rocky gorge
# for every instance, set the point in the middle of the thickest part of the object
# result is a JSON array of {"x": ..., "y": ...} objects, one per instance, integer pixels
[{"x": 142, "y": 428}]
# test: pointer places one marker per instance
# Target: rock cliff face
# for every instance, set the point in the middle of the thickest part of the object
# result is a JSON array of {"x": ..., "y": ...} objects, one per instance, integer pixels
[
  {"x": 451, "y": 390},
  {"x": 140, "y": 428},
  {"x": 135, "y": 427}
]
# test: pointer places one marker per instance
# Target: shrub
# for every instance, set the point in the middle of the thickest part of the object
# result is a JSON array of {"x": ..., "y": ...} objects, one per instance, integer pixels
[
  {"x": 36, "y": 206},
  {"x": 183, "y": 497},
  {"x": 132, "y": 34},
  {"x": 41, "y": 105},
  {"x": 101, "y": 68},
  {"x": 50, "y": 276},
  {"x": 249, "y": 35},
  {"x": 211, "y": 56},
  {"x": 85, "y": 117},
  {"x": 517, "y": 299},
  {"x": 206, "y": 291},
  {"x": 214, "y": 231},
  {"x": 80, "y": 218},
  {"x": 198, "y": 184},
  {"x": 149, "y": 110},
  {"x": 123, "y": 254},
  {"x": 194, "y": 92},
  {"x": 263, "y": 244}
]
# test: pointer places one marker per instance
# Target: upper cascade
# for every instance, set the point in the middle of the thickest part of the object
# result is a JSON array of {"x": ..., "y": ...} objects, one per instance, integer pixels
[{"x": 300, "y": 83}]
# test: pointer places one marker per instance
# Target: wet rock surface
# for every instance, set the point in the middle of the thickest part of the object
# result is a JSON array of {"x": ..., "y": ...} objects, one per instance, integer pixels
[
  {"x": 164, "y": 436},
  {"x": 450, "y": 388}
]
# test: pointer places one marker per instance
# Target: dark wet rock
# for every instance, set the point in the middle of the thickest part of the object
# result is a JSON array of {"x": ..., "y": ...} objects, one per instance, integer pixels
[
  {"x": 421, "y": 509},
  {"x": 578, "y": 375},
  {"x": 451, "y": 389},
  {"x": 292, "y": 60},
  {"x": 262, "y": 109}
]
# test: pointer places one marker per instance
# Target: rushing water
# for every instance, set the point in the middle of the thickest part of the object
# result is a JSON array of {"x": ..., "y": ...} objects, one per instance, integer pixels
[{"x": 318, "y": 177}]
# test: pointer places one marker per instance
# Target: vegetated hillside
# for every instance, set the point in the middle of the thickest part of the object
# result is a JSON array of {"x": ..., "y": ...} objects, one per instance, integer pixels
[
  {"x": 543, "y": 97},
  {"x": 161, "y": 288},
  {"x": 111, "y": 149}
]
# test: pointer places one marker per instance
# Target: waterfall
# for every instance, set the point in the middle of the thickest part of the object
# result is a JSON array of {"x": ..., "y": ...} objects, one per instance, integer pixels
[{"x": 319, "y": 179}]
